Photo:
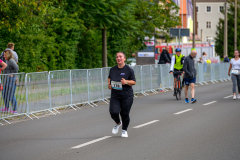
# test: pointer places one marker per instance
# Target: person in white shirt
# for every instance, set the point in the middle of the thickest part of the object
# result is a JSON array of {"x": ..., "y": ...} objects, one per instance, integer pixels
[
  {"x": 10, "y": 46},
  {"x": 204, "y": 60},
  {"x": 234, "y": 72}
]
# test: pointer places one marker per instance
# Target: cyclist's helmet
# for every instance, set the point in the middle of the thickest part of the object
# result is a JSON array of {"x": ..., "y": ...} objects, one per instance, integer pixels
[{"x": 178, "y": 50}]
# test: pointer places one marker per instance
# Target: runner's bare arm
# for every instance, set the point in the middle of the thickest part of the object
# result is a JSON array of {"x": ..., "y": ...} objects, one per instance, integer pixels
[
  {"x": 128, "y": 82},
  {"x": 109, "y": 84}
]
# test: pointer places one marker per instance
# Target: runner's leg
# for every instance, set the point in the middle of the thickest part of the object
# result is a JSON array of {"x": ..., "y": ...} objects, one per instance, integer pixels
[
  {"x": 234, "y": 81},
  {"x": 126, "y": 105},
  {"x": 186, "y": 91},
  {"x": 114, "y": 109},
  {"x": 192, "y": 85},
  {"x": 238, "y": 83}
]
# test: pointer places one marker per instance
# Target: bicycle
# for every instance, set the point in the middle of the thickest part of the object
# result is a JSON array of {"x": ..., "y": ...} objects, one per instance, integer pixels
[{"x": 178, "y": 85}]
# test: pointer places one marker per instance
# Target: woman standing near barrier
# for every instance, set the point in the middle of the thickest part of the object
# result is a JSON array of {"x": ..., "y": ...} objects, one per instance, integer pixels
[
  {"x": 10, "y": 82},
  {"x": 120, "y": 80},
  {"x": 204, "y": 61},
  {"x": 234, "y": 69}
]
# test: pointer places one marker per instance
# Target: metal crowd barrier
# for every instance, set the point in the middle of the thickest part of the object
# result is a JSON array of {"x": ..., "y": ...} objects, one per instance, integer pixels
[
  {"x": 13, "y": 95},
  {"x": 31, "y": 94}
]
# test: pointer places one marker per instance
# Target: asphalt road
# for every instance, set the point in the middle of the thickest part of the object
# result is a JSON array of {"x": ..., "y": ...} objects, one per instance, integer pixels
[{"x": 206, "y": 130}]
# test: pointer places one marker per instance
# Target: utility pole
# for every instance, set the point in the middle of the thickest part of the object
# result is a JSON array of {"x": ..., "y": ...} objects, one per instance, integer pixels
[
  {"x": 235, "y": 26},
  {"x": 194, "y": 23},
  {"x": 104, "y": 47},
  {"x": 225, "y": 51}
]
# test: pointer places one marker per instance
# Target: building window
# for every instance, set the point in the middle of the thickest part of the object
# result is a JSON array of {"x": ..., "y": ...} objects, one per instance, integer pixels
[
  {"x": 208, "y": 24},
  {"x": 221, "y": 8},
  {"x": 208, "y": 8},
  {"x": 197, "y": 8}
]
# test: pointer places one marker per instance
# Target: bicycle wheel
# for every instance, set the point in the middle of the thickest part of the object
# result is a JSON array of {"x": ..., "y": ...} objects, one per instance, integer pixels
[{"x": 178, "y": 90}]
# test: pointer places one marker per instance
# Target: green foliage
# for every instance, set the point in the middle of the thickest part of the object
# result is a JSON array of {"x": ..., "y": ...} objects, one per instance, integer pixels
[
  {"x": 67, "y": 34},
  {"x": 219, "y": 40}
]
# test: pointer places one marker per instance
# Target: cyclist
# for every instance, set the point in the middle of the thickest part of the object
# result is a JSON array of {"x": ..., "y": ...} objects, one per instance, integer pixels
[{"x": 177, "y": 65}]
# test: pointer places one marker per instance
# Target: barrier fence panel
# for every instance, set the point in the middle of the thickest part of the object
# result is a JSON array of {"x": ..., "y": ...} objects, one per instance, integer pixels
[
  {"x": 37, "y": 92},
  {"x": 146, "y": 78},
  {"x": 200, "y": 72},
  {"x": 95, "y": 84},
  {"x": 156, "y": 76},
  {"x": 216, "y": 71},
  {"x": 79, "y": 86},
  {"x": 105, "y": 74},
  {"x": 225, "y": 70},
  {"x": 60, "y": 88},
  {"x": 137, "y": 72},
  {"x": 166, "y": 77},
  {"x": 13, "y": 96},
  {"x": 207, "y": 72}
]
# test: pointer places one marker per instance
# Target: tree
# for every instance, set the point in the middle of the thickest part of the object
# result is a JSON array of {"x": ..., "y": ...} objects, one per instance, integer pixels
[
  {"x": 220, "y": 31},
  {"x": 67, "y": 34}
]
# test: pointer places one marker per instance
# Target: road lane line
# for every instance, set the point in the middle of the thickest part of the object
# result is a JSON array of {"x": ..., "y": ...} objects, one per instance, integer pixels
[
  {"x": 209, "y": 103},
  {"x": 183, "y": 111},
  {"x": 91, "y": 142},
  {"x": 145, "y": 124},
  {"x": 228, "y": 96}
]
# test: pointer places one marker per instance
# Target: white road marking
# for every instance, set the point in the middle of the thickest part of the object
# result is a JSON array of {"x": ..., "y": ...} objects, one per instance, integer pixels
[
  {"x": 142, "y": 125},
  {"x": 183, "y": 111},
  {"x": 228, "y": 96},
  {"x": 91, "y": 142},
  {"x": 209, "y": 103}
]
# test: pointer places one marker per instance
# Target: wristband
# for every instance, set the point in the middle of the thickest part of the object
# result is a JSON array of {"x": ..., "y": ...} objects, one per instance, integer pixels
[{"x": 126, "y": 82}]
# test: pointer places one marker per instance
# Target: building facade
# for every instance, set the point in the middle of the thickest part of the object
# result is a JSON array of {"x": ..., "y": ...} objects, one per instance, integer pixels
[{"x": 209, "y": 13}]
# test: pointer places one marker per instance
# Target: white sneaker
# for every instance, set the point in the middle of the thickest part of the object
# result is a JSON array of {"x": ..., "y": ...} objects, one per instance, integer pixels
[
  {"x": 116, "y": 128},
  {"x": 124, "y": 134},
  {"x": 238, "y": 97},
  {"x": 234, "y": 97}
]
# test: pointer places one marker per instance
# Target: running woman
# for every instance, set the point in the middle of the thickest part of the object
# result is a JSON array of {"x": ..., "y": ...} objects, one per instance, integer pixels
[
  {"x": 120, "y": 80},
  {"x": 234, "y": 69}
]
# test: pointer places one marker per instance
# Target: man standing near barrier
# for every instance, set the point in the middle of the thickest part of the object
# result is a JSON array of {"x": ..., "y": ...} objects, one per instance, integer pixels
[
  {"x": 120, "y": 80},
  {"x": 10, "y": 46},
  {"x": 190, "y": 75},
  {"x": 165, "y": 56}
]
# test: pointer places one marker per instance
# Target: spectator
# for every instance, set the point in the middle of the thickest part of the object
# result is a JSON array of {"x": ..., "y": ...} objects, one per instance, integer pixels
[
  {"x": 10, "y": 46},
  {"x": 226, "y": 59},
  {"x": 9, "y": 80},
  {"x": 204, "y": 61},
  {"x": 165, "y": 56}
]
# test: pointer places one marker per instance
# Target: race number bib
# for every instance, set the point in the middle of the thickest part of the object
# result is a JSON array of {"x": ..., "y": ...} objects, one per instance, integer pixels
[
  {"x": 116, "y": 85},
  {"x": 235, "y": 72}
]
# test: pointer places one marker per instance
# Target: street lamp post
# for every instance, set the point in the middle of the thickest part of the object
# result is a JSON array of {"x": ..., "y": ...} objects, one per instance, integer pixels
[
  {"x": 225, "y": 32},
  {"x": 194, "y": 22},
  {"x": 235, "y": 27}
]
